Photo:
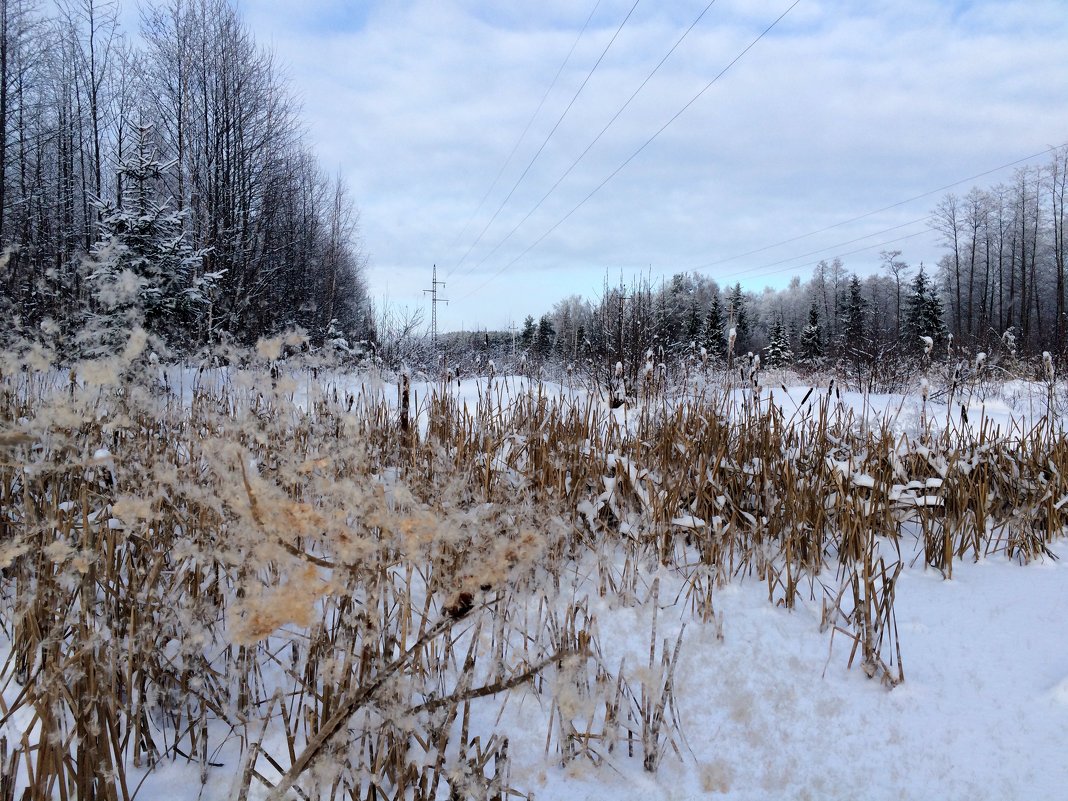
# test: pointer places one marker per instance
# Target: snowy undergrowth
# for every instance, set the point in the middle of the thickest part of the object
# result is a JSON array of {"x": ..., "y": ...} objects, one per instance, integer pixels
[{"x": 276, "y": 585}]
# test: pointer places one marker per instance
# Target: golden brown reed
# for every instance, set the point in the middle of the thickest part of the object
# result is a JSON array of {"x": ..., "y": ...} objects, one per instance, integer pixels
[{"x": 181, "y": 580}]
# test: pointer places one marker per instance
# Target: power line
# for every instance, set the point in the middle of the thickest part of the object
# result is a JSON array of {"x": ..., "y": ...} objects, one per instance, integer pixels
[
  {"x": 893, "y": 241},
  {"x": 877, "y": 211},
  {"x": 548, "y": 136},
  {"x": 831, "y": 248},
  {"x": 597, "y": 138},
  {"x": 434, "y": 301},
  {"x": 530, "y": 122},
  {"x": 633, "y": 155},
  {"x": 925, "y": 218}
]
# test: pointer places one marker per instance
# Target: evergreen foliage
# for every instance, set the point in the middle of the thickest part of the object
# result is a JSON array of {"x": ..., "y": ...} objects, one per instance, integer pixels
[
  {"x": 778, "y": 352},
  {"x": 142, "y": 268},
  {"x": 924, "y": 315},
  {"x": 854, "y": 329},
  {"x": 692, "y": 329},
  {"x": 233, "y": 232},
  {"x": 812, "y": 338},
  {"x": 738, "y": 318},
  {"x": 544, "y": 337},
  {"x": 713, "y": 333},
  {"x": 526, "y": 338}
]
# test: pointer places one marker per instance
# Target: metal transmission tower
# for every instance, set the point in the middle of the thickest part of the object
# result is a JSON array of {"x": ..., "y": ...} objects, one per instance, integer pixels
[{"x": 434, "y": 301}]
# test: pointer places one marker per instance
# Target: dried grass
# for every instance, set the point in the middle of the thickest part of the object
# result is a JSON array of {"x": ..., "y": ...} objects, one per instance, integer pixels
[{"x": 180, "y": 578}]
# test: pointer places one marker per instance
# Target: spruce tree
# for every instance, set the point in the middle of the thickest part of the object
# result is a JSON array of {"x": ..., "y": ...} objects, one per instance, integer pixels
[
  {"x": 143, "y": 270},
  {"x": 854, "y": 330},
  {"x": 526, "y": 338},
  {"x": 544, "y": 337},
  {"x": 812, "y": 338},
  {"x": 713, "y": 334},
  {"x": 778, "y": 352},
  {"x": 665, "y": 328},
  {"x": 924, "y": 313},
  {"x": 693, "y": 321},
  {"x": 738, "y": 318}
]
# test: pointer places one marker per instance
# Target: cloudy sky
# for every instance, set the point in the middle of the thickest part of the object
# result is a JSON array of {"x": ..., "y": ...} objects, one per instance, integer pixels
[{"x": 435, "y": 112}]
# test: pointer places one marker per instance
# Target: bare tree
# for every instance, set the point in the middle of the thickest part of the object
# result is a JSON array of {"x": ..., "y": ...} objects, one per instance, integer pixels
[
  {"x": 1057, "y": 177},
  {"x": 898, "y": 270}
]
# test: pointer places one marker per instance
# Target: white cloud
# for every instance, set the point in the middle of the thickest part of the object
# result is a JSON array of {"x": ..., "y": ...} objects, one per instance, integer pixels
[{"x": 842, "y": 109}]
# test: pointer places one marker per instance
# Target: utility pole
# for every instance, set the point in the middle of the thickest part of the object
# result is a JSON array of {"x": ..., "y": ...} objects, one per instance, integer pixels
[
  {"x": 434, "y": 301},
  {"x": 513, "y": 329}
]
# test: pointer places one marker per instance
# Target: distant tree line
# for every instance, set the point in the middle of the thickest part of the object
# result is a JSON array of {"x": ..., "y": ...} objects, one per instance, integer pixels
[
  {"x": 173, "y": 175},
  {"x": 999, "y": 288}
]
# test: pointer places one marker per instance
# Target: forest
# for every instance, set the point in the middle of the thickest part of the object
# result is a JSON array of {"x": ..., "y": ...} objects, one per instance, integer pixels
[
  {"x": 164, "y": 180},
  {"x": 998, "y": 288},
  {"x": 175, "y": 157},
  {"x": 260, "y": 539}
]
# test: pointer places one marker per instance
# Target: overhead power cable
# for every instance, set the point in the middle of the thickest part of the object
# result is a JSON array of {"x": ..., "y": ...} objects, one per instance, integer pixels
[
  {"x": 548, "y": 136},
  {"x": 925, "y": 218},
  {"x": 597, "y": 138},
  {"x": 893, "y": 241},
  {"x": 526, "y": 129},
  {"x": 642, "y": 147},
  {"x": 878, "y": 211}
]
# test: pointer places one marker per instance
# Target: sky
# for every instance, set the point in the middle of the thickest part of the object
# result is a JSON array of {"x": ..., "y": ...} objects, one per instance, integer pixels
[{"x": 451, "y": 122}]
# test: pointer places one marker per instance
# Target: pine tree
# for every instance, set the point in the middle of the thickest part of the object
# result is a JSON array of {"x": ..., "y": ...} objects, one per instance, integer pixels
[
  {"x": 812, "y": 338},
  {"x": 924, "y": 313},
  {"x": 144, "y": 272},
  {"x": 778, "y": 352}
]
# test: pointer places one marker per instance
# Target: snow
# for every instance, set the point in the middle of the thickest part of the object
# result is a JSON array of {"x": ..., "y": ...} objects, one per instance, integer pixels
[
  {"x": 1006, "y": 407},
  {"x": 689, "y": 521},
  {"x": 767, "y": 703},
  {"x": 770, "y": 710}
]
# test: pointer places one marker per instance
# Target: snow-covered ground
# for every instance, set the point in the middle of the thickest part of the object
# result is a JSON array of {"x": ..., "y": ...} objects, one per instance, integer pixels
[
  {"x": 767, "y": 704},
  {"x": 1009, "y": 406},
  {"x": 771, "y": 711}
]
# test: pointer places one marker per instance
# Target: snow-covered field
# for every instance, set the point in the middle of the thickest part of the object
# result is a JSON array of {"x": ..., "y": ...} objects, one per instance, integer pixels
[
  {"x": 749, "y": 699},
  {"x": 770, "y": 710}
]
